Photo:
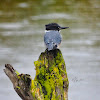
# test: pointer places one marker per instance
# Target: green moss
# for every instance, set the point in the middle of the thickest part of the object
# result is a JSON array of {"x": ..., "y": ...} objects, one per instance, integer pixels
[
  {"x": 48, "y": 89},
  {"x": 17, "y": 72},
  {"x": 50, "y": 76},
  {"x": 17, "y": 87},
  {"x": 36, "y": 90}
]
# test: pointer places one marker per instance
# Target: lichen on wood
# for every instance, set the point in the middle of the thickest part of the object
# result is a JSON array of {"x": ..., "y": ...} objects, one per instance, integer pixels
[
  {"x": 51, "y": 75},
  {"x": 51, "y": 81}
]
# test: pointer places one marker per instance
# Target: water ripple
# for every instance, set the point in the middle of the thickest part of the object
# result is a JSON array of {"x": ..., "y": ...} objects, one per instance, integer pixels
[
  {"x": 10, "y": 25},
  {"x": 52, "y": 16}
]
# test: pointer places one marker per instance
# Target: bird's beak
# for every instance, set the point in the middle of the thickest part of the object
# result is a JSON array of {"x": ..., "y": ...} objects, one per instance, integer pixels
[{"x": 64, "y": 27}]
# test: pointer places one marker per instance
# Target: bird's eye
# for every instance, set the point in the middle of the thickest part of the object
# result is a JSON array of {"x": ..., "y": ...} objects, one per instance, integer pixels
[{"x": 58, "y": 27}]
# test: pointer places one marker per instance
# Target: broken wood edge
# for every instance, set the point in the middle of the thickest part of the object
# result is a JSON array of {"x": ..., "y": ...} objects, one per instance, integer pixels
[{"x": 19, "y": 85}]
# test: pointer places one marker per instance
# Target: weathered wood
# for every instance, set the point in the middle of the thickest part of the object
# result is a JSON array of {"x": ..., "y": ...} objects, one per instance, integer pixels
[
  {"x": 21, "y": 83},
  {"x": 50, "y": 83}
]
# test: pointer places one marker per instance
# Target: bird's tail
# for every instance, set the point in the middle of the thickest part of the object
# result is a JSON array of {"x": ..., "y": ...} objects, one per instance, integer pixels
[{"x": 51, "y": 46}]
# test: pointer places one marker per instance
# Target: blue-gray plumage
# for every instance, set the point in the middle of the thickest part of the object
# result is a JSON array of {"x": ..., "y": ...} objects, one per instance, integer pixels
[{"x": 52, "y": 37}]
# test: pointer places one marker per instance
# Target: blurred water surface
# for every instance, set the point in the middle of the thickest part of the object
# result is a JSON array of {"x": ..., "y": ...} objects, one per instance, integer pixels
[{"x": 21, "y": 42}]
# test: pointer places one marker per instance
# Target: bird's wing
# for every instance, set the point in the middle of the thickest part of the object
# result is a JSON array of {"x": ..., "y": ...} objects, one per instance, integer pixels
[
  {"x": 46, "y": 38},
  {"x": 57, "y": 38}
]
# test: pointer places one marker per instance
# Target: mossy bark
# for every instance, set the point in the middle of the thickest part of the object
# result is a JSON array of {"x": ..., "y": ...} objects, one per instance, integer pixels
[{"x": 51, "y": 81}]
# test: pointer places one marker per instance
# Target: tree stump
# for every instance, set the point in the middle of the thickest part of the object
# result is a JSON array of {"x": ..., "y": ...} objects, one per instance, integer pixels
[{"x": 50, "y": 83}]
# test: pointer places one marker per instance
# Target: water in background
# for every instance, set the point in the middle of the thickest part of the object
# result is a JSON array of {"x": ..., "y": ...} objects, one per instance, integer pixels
[{"x": 21, "y": 42}]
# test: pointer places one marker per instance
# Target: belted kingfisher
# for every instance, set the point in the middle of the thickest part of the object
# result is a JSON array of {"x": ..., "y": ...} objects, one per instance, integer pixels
[{"x": 52, "y": 37}]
